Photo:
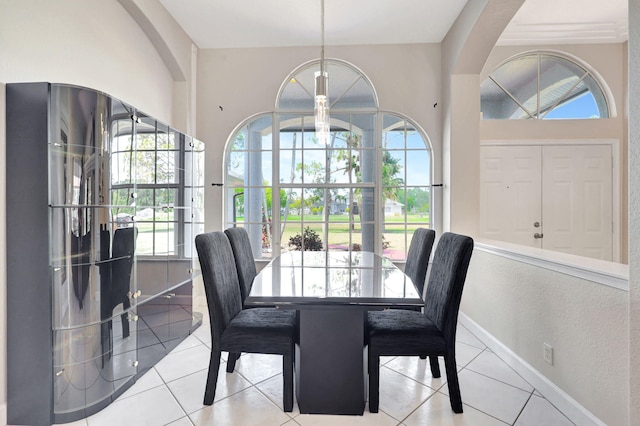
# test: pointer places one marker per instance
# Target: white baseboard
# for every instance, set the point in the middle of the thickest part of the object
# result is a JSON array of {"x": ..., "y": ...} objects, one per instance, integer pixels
[{"x": 556, "y": 396}]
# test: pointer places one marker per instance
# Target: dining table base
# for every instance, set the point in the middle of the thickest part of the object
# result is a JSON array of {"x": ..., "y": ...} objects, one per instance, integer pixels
[{"x": 330, "y": 363}]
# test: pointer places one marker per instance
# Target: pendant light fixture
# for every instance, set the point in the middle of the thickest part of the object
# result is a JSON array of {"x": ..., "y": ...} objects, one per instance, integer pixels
[{"x": 321, "y": 93}]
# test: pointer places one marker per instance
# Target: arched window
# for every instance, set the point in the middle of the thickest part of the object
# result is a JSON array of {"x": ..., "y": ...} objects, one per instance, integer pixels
[
  {"x": 368, "y": 189},
  {"x": 542, "y": 85}
]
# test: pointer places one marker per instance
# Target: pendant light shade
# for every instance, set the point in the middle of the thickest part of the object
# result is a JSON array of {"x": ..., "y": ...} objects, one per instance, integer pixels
[{"x": 321, "y": 108}]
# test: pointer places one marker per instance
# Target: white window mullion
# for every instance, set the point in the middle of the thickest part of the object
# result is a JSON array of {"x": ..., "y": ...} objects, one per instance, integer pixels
[
  {"x": 276, "y": 231},
  {"x": 378, "y": 215}
]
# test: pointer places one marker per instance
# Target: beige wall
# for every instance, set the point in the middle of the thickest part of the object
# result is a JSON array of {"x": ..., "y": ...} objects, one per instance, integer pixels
[
  {"x": 178, "y": 53},
  {"x": 76, "y": 42},
  {"x": 586, "y": 323},
  {"x": 465, "y": 50},
  {"x": 245, "y": 82}
]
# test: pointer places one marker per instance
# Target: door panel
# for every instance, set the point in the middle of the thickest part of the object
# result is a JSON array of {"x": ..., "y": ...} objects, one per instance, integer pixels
[
  {"x": 577, "y": 197},
  {"x": 510, "y": 193},
  {"x": 566, "y": 189}
]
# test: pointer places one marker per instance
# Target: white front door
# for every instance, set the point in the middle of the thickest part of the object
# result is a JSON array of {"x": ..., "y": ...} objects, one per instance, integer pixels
[
  {"x": 577, "y": 200},
  {"x": 510, "y": 194},
  {"x": 553, "y": 197}
]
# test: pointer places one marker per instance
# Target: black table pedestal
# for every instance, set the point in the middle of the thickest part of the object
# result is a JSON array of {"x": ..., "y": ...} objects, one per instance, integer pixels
[{"x": 331, "y": 376}]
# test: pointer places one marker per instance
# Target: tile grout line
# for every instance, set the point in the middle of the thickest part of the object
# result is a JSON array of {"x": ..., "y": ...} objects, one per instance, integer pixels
[
  {"x": 417, "y": 381},
  {"x": 223, "y": 361},
  {"x": 523, "y": 407},
  {"x": 501, "y": 381},
  {"x": 435, "y": 391},
  {"x": 275, "y": 403},
  {"x": 214, "y": 402},
  {"x": 477, "y": 409},
  {"x": 508, "y": 366},
  {"x": 255, "y": 385},
  {"x": 289, "y": 421},
  {"x": 416, "y": 409},
  {"x": 550, "y": 403},
  {"x": 165, "y": 384}
]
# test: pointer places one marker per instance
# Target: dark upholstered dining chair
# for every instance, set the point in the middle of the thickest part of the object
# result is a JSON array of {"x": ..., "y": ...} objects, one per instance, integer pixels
[
  {"x": 244, "y": 259},
  {"x": 416, "y": 268},
  {"x": 246, "y": 268},
  {"x": 432, "y": 332},
  {"x": 236, "y": 330},
  {"x": 418, "y": 257}
]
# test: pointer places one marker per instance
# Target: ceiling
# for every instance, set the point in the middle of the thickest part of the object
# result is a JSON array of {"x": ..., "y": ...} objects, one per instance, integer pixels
[
  {"x": 283, "y": 23},
  {"x": 568, "y": 21}
]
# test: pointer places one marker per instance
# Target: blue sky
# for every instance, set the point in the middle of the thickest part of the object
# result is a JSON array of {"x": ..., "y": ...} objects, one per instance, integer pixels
[{"x": 581, "y": 107}]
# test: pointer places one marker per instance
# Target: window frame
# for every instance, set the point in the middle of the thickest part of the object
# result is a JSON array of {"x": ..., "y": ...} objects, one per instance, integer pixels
[
  {"x": 588, "y": 74},
  {"x": 176, "y": 247},
  {"x": 282, "y": 115}
]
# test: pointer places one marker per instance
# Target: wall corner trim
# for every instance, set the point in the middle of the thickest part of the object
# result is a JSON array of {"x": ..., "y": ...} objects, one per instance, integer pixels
[
  {"x": 611, "y": 274},
  {"x": 3, "y": 413}
]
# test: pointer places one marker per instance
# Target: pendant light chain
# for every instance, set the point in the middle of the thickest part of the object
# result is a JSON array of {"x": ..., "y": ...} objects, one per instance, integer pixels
[
  {"x": 322, "y": 37},
  {"x": 321, "y": 100}
]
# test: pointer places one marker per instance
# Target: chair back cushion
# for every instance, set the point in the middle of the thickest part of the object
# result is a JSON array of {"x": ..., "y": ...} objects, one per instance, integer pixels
[
  {"x": 448, "y": 273},
  {"x": 418, "y": 257},
  {"x": 220, "y": 281},
  {"x": 245, "y": 263}
]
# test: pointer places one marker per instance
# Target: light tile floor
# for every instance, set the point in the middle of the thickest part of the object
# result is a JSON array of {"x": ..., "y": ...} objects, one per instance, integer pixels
[{"x": 172, "y": 392}]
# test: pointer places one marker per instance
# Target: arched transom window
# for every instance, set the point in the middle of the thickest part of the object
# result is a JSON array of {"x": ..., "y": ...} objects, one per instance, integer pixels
[
  {"x": 542, "y": 85},
  {"x": 368, "y": 189}
]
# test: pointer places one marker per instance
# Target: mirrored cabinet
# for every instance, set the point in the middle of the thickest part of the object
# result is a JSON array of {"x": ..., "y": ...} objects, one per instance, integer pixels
[{"x": 103, "y": 205}]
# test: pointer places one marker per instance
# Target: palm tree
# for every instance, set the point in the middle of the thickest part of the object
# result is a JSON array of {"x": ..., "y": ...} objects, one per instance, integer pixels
[{"x": 390, "y": 182}]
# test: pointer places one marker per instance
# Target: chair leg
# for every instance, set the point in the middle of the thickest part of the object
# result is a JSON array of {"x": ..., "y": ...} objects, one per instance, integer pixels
[
  {"x": 212, "y": 377},
  {"x": 231, "y": 361},
  {"x": 374, "y": 382},
  {"x": 287, "y": 382},
  {"x": 452, "y": 380},
  {"x": 435, "y": 367}
]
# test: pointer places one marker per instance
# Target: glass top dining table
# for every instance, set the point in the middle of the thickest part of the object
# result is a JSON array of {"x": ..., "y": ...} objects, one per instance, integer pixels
[
  {"x": 335, "y": 278},
  {"x": 332, "y": 292}
]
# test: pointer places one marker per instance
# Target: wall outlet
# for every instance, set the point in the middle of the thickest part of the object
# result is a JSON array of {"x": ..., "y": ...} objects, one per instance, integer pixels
[{"x": 548, "y": 354}]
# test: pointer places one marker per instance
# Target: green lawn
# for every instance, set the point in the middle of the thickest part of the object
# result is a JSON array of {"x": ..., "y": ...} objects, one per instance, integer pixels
[
  {"x": 338, "y": 235},
  {"x": 414, "y": 218},
  {"x": 164, "y": 237}
]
